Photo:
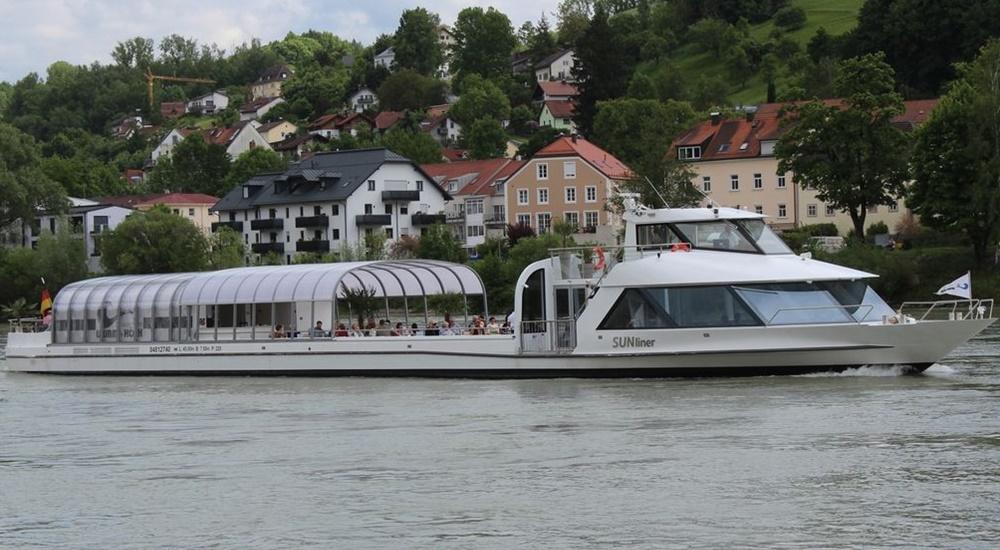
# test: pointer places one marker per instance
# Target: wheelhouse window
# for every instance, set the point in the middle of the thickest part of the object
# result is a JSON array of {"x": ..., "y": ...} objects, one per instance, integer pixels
[
  {"x": 731, "y": 235},
  {"x": 678, "y": 307},
  {"x": 655, "y": 233},
  {"x": 814, "y": 303}
]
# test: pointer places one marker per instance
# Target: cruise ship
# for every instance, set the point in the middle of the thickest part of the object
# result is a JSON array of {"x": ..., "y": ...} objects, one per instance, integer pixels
[{"x": 690, "y": 292}]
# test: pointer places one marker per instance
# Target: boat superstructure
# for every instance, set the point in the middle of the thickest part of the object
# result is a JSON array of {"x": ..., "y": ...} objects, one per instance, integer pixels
[{"x": 695, "y": 291}]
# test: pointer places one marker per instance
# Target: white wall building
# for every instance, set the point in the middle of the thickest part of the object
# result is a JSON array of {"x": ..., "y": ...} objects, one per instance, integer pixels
[
  {"x": 330, "y": 201},
  {"x": 208, "y": 104},
  {"x": 558, "y": 66},
  {"x": 87, "y": 219},
  {"x": 362, "y": 99},
  {"x": 385, "y": 58}
]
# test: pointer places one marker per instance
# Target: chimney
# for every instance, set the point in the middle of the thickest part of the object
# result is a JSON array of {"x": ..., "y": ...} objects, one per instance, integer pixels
[
  {"x": 716, "y": 117},
  {"x": 573, "y": 137},
  {"x": 750, "y": 115}
]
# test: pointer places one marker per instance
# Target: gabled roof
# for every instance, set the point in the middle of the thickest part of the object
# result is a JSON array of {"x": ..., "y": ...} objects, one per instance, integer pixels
[
  {"x": 558, "y": 88},
  {"x": 133, "y": 201},
  {"x": 256, "y": 104},
  {"x": 293, "y": 142},
  {"x": 742, "y": 137},
  {"x": 480, "y": 175},
  {"x": 323, "y": 177},
  {"x": 275, "y": 73},
  {"x": 268, "y": 126},
  {"x": 337, "y": 121},
  {"x": 550, "y": 59},
  {"x": 386, "y": 52},
  {"x": 209, "y": 94},
  {"x": 601, "y": 160},
  {"x": 224, "y": 135},
  {"x": 454, "y": 155},
  {"x": 388, "y": 119},
  {"x": 561, "y": 108}
]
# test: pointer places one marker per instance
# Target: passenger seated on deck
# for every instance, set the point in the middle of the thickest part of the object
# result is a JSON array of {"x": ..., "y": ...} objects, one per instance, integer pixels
[
  {"x": 371, "y": 327},
  {"x": 317, "y": 331},
  {"x": 341, "y": 331},
  {"x": 414, "y": 330},
  {"x": 384, "y": 328},
  {"x": 492, "y": 327},
  {"x": 432, "y": 329},
  {"x": 356, "y": 330},
  {"x": 278, "y": 331}
]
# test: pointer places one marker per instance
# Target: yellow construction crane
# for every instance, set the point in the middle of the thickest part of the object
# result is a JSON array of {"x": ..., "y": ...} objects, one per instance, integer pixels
[{"x": 150, "y": 77}]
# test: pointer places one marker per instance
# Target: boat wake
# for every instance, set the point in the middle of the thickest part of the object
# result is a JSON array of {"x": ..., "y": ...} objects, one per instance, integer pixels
[{"x": 865, "y": 371}]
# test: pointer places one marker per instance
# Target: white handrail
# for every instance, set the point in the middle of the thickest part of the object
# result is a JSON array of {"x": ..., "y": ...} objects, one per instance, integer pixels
[
  {"x": 810, "y": 308},
  {"x": 979, "y": 308}
]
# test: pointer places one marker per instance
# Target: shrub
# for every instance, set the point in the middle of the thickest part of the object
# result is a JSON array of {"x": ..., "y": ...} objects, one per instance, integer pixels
[{"x": 790, "y": 18}]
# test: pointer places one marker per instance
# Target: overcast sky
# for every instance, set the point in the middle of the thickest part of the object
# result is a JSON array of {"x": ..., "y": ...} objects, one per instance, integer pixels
[{"x": 36, "y": 33}]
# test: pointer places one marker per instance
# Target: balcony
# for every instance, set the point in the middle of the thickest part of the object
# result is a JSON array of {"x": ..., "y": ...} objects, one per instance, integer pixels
[
  {"x": 264, "y": 248},
  {"x": 273, "y": 223},
  {"x": 235, "y": 226},
  {"x": 313, "y": 221},
  {"x": 312, "y": 246},
  {"x": 373, "y": 219},
  {"x": 400, "y": 196},
  {"x": 455, "y": 217},
  {"x": 427, "y": 219},
  {"x": 495, "y": 221}
]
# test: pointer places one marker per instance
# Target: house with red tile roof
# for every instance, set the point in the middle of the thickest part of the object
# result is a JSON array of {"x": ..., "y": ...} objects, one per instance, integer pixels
[
  {"x": 570, "y": 179},
  {"x": 385, "y": 120},
  {"x": 734, "y": 165},
  {"x": 558, "y": 114},
  {"x": 173, "y": 109},
  {"x": 276, "y": 130},
  {"x": 478, "y": 209},
  {"x": 444, "y": 129},
  {"x": 194, "y": 207},
  {"x": 332, "y": 126},
  {"x": 237, "y": 139},
  {"x": 259, "y": 107},
  {"x": 554, "y": 90}
]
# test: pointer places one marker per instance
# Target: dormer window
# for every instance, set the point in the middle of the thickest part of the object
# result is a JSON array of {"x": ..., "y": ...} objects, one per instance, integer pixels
[
  {"x": 743, "y": 146},
  {"x": 246, "y": 192},
  {"x": 724, "y": 148},
  {"x": 689, "y": 153}
]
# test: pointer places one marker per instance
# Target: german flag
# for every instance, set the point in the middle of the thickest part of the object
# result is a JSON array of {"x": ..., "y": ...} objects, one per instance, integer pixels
[{"x": 46, "y": 303}]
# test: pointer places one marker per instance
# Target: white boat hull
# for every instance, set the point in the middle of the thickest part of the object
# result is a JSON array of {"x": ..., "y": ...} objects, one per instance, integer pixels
[{"x": 703, "y": 352}]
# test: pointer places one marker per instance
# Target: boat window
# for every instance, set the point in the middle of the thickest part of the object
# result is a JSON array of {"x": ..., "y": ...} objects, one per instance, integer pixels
[
  {"x": 794, "y": 304},
  {"x": 533, "y": 297},
  {"x": 859, "y": 299},
  {"x": 678, "y": 307},
  {"x": 766, "y": 240},
  {"x": 655, "y": 233},
  {"x": 717, "y": 235}
]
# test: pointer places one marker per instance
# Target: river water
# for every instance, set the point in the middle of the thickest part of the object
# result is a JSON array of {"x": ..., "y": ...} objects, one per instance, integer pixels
[{"x": 864, "y": 459}]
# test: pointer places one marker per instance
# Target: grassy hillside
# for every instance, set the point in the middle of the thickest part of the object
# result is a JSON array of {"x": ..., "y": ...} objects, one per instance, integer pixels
[{"x": 836, "y": 16}]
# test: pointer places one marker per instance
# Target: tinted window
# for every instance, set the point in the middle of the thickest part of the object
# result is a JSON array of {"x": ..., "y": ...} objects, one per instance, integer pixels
[
  {"x": 768, "y": 242},
  {"x": 794, "y": 304},
  {"x": 655, "y": 233},
  {"x": 680, "y": 307},
  {"x": 720, "y": 235}
]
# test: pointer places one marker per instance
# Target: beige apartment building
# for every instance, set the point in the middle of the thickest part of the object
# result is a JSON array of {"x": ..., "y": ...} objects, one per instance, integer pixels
[
  {"x": 735, "y": 166},
  {"x": 570, "y": 179},
  {"x": 195, "y": 207}
]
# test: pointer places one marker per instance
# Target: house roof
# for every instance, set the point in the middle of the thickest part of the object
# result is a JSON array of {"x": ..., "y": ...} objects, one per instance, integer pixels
[
  {"x": 173, "y": 108},
  {"x": 268, "y": 126},
  {"x": 323, "y": 177},
  {"x": 560, "y": 108},
  {"x": 224, "y": 135},
  {"x": 550, "y": 59},
  {"x": 454, "y": 155},
  {"x": 133, "y": 201},
  {"x": 256, "y": 104},
  {"x": 273, "y": 74},
  {"x": 293, "y": 142},
  {"x": 336, "y": 121},
  {"x": 601, "y": 160},
  {"x": 742, "y": 137},
  {"x": 479, "y": 175},
  {"x": 558, "y": 88},
  {"x": 388, "y": 119},
  {"x": 209, "y": 94},
  {"x": 386, "y": 52}
]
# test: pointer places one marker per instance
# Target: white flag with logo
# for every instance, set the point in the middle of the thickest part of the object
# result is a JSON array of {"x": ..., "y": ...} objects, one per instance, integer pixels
[{"x": 961, "y": 287}]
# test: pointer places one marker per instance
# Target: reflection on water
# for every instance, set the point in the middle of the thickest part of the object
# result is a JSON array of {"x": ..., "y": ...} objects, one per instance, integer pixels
[{"x": 862, "y": 458}]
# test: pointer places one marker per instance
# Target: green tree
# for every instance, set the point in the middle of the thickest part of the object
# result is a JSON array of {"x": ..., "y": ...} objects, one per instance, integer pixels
[
  {"x": 155, "y": 241},
  {"x": 136, "y": 53},
  {"x": 541, "y": 43},
  {"x": 639, "y": 131},
  {"x": 738, "y": 64},
  {"x": 226, "y": 249},
  {"x": 521, "y": 118},
  {"x": 542, "y": 137},
  {"x": 322, "y": 88},
  {"x": 61, "y": 257},
  {"x": 193, "y": 166},
  {"x": 484, "y": 41},
  {"x": 572, "y": 19},
  {"x": 480, "y": 99},
  {"x": 252, "y": 162},
  {"x": 408, "y": 90},
  {"x": 485, "y": 139},
  {"x": 712, "y": 35},
  {"x": 854, "y": 157},
  {"x": 956, "y": 158},
  {"x": 439, "y": 243},
  {"x": 85, "y": 176},
  {"x": 790, "y": 18},
  {"x": 641, "y": 87},
  {"x": 416, "y": 146},
  {"x": 416, "y": 41},
  {"x": 24, "y": 187},
  {"x": 599, "y": 71}
]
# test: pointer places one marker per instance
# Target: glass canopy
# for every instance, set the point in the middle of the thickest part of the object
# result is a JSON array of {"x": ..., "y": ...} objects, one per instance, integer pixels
[{"x": 195, "y": 306}]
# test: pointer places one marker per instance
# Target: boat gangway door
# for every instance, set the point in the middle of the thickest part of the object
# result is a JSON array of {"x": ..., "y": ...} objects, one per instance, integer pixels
[{"x": 544, "y": 337}]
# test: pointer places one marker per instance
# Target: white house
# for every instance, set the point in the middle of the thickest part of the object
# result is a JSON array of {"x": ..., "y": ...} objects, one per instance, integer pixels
[
  {"x": 558, "y": 66},
  {"x": 237, "y": 139},
  {"x": 208, "y": 104},
  {"x": 362, "y": 100},
  {"x": 259, "y": 107},
  {"x": 444, "y": 129},
  {"x": 167, "y": 144},
  {"x": 385, "y": 58},
  {"x": 332, "y": 200},
  {"x": 87, "y": 219}
]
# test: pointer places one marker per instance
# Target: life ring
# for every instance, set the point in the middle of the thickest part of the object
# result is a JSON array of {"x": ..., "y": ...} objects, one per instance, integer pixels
[
  {"x": 599, "y": 252},
  {"x": 680, "y": 247}
]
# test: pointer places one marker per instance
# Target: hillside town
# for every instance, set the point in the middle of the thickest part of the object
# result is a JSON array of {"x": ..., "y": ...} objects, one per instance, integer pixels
[{"x": 315, "y": 149}]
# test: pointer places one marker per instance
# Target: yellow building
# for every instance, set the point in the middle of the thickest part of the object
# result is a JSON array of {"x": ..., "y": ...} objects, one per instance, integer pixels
[
  {"x": 734, "y": 165},
  {"x": 191, "y": 206}
]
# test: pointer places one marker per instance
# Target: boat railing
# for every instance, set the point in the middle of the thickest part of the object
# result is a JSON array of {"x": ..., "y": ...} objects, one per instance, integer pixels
[
  {"x": 951, "y": 310},
  {"x": 847, "y": 309},
  {"x": 25, "y": 324},
  {"x": 558, "y": 336}
]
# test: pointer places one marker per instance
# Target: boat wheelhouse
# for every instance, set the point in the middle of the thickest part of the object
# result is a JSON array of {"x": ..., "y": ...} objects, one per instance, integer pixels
[{"x": 696, "y": 291}]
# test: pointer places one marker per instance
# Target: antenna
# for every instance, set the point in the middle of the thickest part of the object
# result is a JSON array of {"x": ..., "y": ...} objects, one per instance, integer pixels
[{"x": 657, "y": 191}]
